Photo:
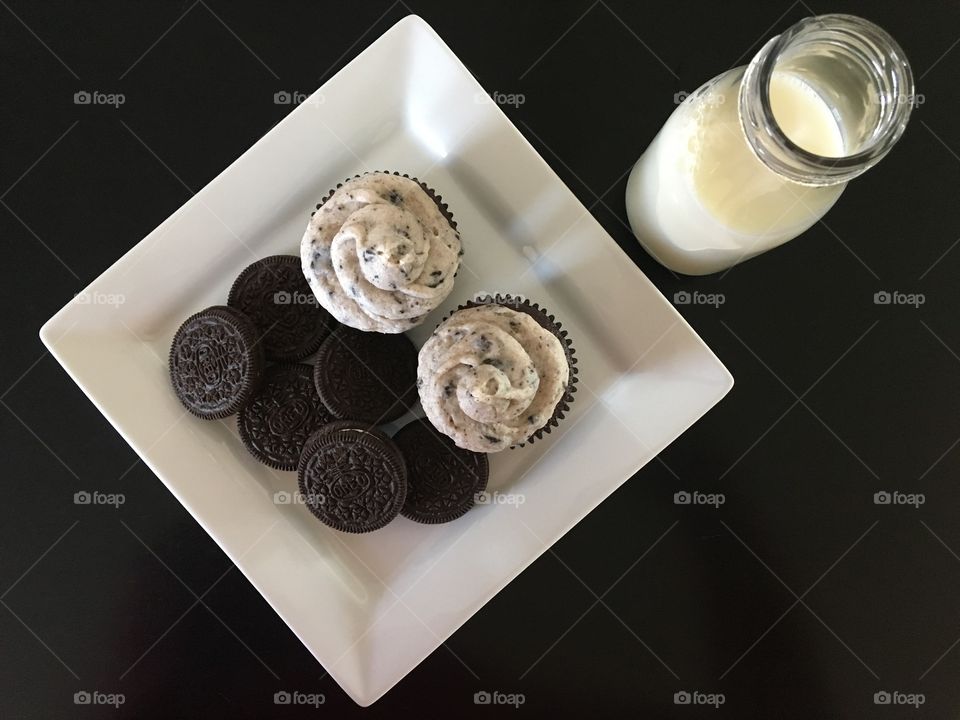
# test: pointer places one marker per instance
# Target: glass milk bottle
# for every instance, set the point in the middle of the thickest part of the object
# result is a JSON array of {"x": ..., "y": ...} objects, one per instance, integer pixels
[{"x": 759, "y": 154}]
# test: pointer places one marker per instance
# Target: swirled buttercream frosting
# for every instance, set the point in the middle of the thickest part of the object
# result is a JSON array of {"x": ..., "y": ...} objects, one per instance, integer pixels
[
  {"x": 490, "y": 377},
  {"x": 380, "y": 254}
]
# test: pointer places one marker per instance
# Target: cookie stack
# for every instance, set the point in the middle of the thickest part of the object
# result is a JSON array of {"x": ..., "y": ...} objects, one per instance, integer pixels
[{"x": 321, "y": 419}]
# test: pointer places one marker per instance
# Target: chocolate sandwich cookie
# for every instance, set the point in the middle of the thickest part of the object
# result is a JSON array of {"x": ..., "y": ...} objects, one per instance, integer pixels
[
  {"x": 443, "y": 480},
  {"x": 216, "y": 363},
  {"x": 276, "y": 423},
  {"x": 274, "y": 293},
  {"x": 368, "y": 377},
  {"x": 352, "y": 479}
]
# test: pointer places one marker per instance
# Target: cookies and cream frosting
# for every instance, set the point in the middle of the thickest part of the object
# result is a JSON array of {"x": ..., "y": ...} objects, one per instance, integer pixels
[
  {"x": 489, "y": 377},
  {"x": 379, "y": 254}
]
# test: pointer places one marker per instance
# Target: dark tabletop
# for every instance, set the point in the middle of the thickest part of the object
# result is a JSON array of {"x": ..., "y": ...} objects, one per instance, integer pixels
[{"x": 799, "y": 597}]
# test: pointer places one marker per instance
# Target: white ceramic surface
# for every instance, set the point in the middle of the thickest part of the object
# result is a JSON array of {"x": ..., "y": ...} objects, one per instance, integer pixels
[{"x": 371, "y": 607}]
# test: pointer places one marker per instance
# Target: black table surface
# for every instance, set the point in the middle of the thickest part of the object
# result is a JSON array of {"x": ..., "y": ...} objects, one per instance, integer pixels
[{"x": 799, "y": 597}]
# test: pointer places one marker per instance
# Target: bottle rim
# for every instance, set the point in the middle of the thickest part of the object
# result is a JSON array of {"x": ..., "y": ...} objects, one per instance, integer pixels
[{"x": 888, "y": 69}]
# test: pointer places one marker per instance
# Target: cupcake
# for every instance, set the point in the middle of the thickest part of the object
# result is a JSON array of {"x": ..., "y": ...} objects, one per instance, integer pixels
[
  {"x": 497, "y": 373},
  {"x": 381, "y": 252}
]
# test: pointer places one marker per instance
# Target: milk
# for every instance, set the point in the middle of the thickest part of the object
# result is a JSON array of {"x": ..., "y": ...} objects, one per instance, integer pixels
[{"x": 699, "y": 199}]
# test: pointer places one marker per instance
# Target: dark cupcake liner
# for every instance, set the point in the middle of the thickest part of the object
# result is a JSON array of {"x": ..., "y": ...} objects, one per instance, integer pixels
[
  {"x": 549, "y": 323},
  {"x": 443, "y": 207}
]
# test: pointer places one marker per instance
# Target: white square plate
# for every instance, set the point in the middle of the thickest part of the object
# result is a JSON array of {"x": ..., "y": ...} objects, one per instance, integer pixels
[{"x": 371, "y": 607}]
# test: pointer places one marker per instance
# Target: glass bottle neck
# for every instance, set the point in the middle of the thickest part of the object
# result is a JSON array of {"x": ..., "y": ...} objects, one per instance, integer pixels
[{"x": 860, "y": 74}]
